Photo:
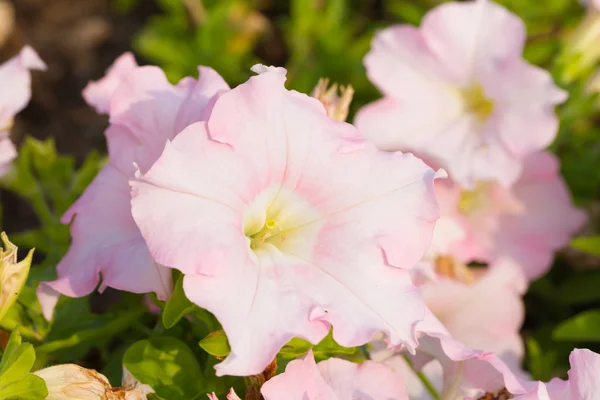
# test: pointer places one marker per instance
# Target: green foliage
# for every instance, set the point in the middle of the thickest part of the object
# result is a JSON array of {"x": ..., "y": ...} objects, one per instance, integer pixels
[
  {"x": 168, "y": 365},
  {"x": 326, "y": 348},
  {"x": 15, "y": 380},
  {"x": 216, "y": 344},
  {"x": 191, "y": 33},
  {"x": 582, "y": 327},
  {"x": 177, "y": 306},
  {"x": 50, "y": 184}
]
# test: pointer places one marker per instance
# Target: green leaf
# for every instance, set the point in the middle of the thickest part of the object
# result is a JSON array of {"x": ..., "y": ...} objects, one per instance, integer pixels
[
  {"x": 167, "y": 365},
  {"x": 177, "y": 306},
  {"x": 590, "y": 245},
  {"x": 580, "y": 288},
  {"x": 15, "y": 380},
  {"x": 216, "y": 344},
  {"x": 94, "y": 333},
  {"x": 17, "y": 360},
  {"x": 326, "y": 348},
  {"x": 31, "y": 387},
  {"x": 540, "y": 363},
  {"x": 582, "y": 327}
]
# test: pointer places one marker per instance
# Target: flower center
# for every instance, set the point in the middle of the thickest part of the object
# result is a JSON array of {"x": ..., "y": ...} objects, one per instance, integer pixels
[
  {"x": 476, "y": 102},
  {"x": 451, "y": 268},
  {"x": 472, "y": 201},
  {"x": 280, "y": 218},
  {"x": 270, "y": 233}
]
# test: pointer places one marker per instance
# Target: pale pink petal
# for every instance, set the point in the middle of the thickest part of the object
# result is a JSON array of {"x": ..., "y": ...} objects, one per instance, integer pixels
[
  {"x": 98, "y": 93},
  {"x": 350, "y": 224},
  {"x": 15, "y": 80},
  {"x": 548, "y": 220},
  {"x": 584, "y": 375},
  {"x": 8, "y": 152},
  {"x": 301, "y": 380},
  {"x": 146, "y": 111},
  {"x": 465, "y": 36},
  {"x": 369, "y": 379},
  {"x": 459, "y": 94},
  {"x": 334, "y": 379},
  {"x": 106, "y": 242},
  {"x": 524, "y": 100},
  {"x": 421, "y": 104},
  {"x": 486, "y": 314}
]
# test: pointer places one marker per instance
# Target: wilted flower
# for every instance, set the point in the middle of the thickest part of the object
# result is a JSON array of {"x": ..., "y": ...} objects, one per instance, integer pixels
[
  {"x": 13, "y": 274},
  {"x": 458, "y": 92},
  {"x": 336, "y": 106},
  {"x": 286, "y": 223},
  {"x": 15, "y": 80},
  {"x": 70, "y": 381},
  {"x": 145, "y": 111},
  {"x": 334, "y": 379},
  {"x": 526, "y": 222}
]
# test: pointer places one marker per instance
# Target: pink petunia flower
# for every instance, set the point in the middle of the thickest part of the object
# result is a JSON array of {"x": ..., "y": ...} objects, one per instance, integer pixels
[
  {"x": 451, "y": 370},
  {"x": 334, "y": 379},
  {"x": 584, "y": 378},
  {"x": 457, "y": 91},
  {"x": 484, "y": 311},
  {"x": 15, "y": 80},
  {"x": 285, "y": 223},
  {"x": 526, "y": 222},
  {"x": 98, "y": 94},
  {"x": 145, "y": 112}
]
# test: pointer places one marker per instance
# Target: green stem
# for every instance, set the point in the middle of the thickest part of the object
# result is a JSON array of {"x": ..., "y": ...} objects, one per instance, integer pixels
[{"x": 424, "y": 380}]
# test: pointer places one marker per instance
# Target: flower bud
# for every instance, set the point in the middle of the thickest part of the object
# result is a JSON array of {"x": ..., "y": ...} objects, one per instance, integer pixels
[
  {"x": 13, "y": 274},
  {"x": 336, "y": 106}
]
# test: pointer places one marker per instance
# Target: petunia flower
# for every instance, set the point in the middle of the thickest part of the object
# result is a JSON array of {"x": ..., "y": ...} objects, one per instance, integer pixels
[
  {"x": 527, "y": 222},
  {"x": 334, "y": 379},
  {"x": 445, "y": 368},
  {"x": 457, "y": 91},
  {"x": 98, "y": 94},
  {"x": 481, "y": 308},
  {"x": 286, "y": 223},
  {"x": 584, "y": 378},
  {"x": 15, "y": 80},
  {"x": 145, "y": 112}
]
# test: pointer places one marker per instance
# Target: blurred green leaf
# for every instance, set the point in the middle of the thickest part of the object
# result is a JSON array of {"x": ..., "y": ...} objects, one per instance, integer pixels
[
  {"x": 580, "y": 288},
  {"x": 590, "y": 245},
  {"x": 177, "y": 306},
  {"x": 216, "y": 344},
  {"x": 582, "y": 327},
  {"x": 539, "y": 363},
  {"x": 168, "y": 365},
  {"x": 107, "y": 329}
]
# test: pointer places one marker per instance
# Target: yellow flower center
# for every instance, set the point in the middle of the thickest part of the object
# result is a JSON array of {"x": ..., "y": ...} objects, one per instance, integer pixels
[
  {"x": 279, "y": 218},
  {"x": 472, "y": 201},
  {"x": 269, "y": 233},
  {"x": 476, "y": 102}
]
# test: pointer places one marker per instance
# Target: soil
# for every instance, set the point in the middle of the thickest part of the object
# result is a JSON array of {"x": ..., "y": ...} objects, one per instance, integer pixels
[{"x": 78, "y": 40}]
